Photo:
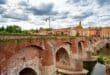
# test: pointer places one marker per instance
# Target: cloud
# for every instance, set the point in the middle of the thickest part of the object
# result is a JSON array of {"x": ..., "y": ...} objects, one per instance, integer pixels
[
  {"x": 63, "y": 13},
  {"x": 2, "y": 20},
  {"x": 23, "y": 3},
  {"x": 14, "y": 14},
  {"x": 43, "y": 9},
  {"x": 3, "y": 1},
  {"x": 104, "y": 18},
  {"x": 80, "y": 2},
  {"x": 103, "y": 2},
  {"x": 83, "y": 16},
  {"x": 2, "y": 10}
]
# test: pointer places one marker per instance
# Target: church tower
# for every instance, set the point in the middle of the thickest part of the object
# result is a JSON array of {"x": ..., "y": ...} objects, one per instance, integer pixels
[{"x": 79, "y": 26}]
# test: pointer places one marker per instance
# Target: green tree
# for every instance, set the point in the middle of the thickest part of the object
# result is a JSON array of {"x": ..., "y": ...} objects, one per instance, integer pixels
[
  {"x": 2, "y": 28},
  {"x": 13, "y": 29}
]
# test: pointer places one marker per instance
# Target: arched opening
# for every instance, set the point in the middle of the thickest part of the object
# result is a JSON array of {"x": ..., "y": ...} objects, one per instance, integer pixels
[
  {"x": 27, "y": 71},
  {"x": 79, "y": 46},
  {"x": 62, "y": 56},
  {"x": 91, "y": 42},
  {"x": 108, "y": 45},
  {"x": 62, "y": 59}
]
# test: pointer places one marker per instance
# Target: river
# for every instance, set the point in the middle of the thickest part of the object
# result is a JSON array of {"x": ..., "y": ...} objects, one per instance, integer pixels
[{"x": 100, "y": 69}]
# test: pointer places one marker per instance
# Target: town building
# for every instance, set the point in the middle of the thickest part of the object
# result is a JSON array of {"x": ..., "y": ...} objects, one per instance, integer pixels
[
  {"x": 78, "y": 31},
  {"x": 105, "y": 32}
]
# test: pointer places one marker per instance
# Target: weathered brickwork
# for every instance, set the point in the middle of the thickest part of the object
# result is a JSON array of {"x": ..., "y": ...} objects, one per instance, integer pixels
[{"x": 39, "y": 55}]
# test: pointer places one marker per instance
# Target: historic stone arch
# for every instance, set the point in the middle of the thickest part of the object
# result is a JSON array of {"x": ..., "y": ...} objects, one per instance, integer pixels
[
  {"x": 66, "y": 46},
  {"x": 27, "y": 71},
  {"x": 80, "y": 48},
  {"x": 62, "y": 57},
  {"x": 26, "y": 57}
]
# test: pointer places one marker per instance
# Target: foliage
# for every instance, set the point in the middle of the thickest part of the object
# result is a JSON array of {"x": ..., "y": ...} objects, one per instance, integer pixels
[
  {"x": 105, "y": 55},
  {"x": 15, "y": 29},
  {"x": 107, "y": 59},
  {"x": 45, "y": 29},
  {"x": 2, "y": 28},
  {"x": 104, "y": 59},
  {"x": 101, "y": 60}
]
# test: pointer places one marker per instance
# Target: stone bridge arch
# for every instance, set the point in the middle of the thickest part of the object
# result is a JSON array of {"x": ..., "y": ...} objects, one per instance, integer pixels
[
  {"x": 108, "y": 45},
  {"x": 27, "y": 71},
  {"x": 82, "y": 45},
  {"x": 63, "y": 56},
  {"x": 66, "y": 46},
  {"x": 26, "y": 57},
  {"x": 82, "y": 48},
  {"x": 91, "y": 42}
]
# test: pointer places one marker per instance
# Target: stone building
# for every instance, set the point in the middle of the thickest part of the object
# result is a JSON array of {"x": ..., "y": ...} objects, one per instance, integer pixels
[
  {"x": 105, "y": 32},
  {"x": 79, "y": 31},
  {"x": 92, "y": 31}
]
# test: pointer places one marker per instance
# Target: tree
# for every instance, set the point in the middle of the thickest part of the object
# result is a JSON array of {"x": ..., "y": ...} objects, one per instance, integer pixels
[
  {"x": 13, "y": 29},
  {"x": 2, "y": 28}
]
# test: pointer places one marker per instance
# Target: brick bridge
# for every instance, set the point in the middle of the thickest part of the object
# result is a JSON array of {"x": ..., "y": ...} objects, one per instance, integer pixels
[{"x": 45, "y": 55}]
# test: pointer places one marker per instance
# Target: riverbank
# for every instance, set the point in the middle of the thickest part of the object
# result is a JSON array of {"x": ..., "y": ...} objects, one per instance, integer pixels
[{"x": 105, "y": 55}]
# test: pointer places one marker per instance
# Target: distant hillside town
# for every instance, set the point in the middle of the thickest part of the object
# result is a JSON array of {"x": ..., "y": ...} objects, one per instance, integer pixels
[{"x": 78, "y": 31}]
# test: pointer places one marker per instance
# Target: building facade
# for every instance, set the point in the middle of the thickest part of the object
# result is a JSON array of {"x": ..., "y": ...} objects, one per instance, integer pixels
[
  {"x": 105, "y": 32},
  {"x": 79, "y": 31}
]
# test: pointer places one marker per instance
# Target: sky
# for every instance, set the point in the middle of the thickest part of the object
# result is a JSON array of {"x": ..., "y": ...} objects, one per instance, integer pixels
[{"x": 33, "y": 14}]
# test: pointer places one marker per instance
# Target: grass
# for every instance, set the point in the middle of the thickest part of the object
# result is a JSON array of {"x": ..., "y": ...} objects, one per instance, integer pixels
[{"x": 105, "y": 55}]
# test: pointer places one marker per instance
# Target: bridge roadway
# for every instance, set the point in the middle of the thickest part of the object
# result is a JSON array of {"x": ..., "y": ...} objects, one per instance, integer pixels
[{"x": 20, "y": 36}]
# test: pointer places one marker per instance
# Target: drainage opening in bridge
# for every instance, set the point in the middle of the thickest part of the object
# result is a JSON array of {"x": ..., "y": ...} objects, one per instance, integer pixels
[{"x": 27, "y": 71}]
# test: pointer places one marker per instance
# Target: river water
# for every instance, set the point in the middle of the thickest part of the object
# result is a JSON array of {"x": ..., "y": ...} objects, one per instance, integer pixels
[{"x": 100, "y": 69}]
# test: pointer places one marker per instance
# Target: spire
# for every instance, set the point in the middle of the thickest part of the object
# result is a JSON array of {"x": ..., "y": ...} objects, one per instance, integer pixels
[{"x": 80, "y": 24}]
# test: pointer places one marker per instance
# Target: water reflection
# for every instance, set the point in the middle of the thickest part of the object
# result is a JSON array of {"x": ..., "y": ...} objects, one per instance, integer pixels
[{"x": 99, "y": 69}]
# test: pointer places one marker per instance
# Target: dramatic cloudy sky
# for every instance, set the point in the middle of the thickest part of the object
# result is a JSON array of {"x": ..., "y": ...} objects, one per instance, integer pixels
[{"x": 64, "y": 13}]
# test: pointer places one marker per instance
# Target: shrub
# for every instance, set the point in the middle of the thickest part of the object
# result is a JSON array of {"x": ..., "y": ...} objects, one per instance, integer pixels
[{"x": 101, "y": 60}]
